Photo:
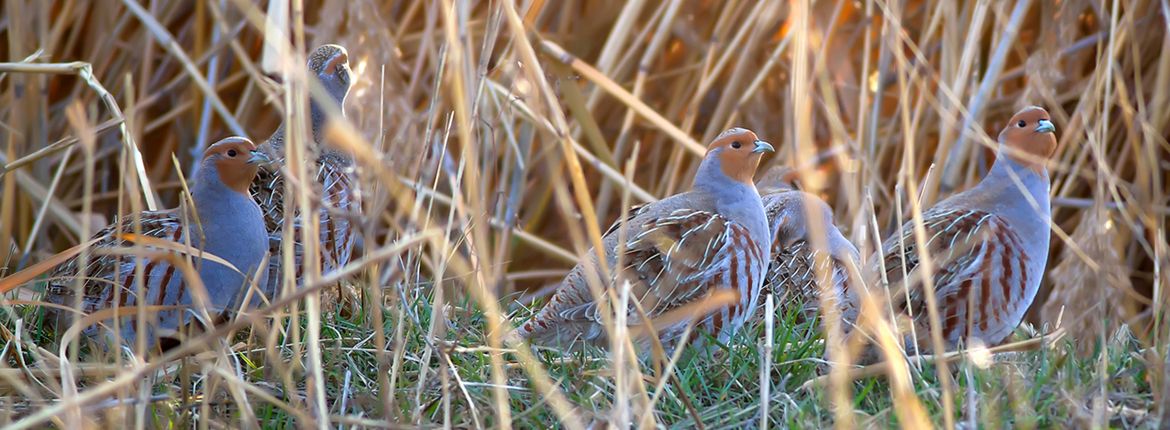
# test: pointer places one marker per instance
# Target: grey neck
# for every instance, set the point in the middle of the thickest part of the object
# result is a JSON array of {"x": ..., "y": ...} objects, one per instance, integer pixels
[
  {"x": 736, "y": 200},
  {"x": 215, "y": 202},
  {"x": 317, "y": 118},
  {"x": 1001, "y": 181},
  {"x": 1017, "y": 193}
]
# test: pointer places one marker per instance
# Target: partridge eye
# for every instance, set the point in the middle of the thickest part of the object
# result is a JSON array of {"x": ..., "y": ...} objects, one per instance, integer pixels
[
  {"x": 1021, "y": 124},
  {"x": 736, "y": 144},
  {"x": 231, "y": 153}
]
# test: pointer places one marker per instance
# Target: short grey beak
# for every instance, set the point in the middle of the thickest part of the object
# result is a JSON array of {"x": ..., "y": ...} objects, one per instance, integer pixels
[
  {"x": 762, "y": 146},
  {"x": 1045, "y": 126},
  {"x": 258, "y": 157}
]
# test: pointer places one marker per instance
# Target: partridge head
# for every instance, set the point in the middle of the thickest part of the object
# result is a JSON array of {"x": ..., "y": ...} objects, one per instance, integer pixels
[
  {"x": 329, "y": 64},
  {"x": 735, "y": 154},
  {"x": 1029, "y": 137},
  {"x": 232, "y": 162},
  {"x": 776, "y": 179}
]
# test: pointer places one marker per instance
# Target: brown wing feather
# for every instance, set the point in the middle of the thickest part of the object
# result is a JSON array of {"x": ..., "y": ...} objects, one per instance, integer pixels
[
  {"x": 672, "y": 261},
  {"x": 676, "y": 257}
]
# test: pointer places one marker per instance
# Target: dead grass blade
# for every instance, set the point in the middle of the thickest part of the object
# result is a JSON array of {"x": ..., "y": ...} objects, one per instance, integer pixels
[{"x": 22, "y": 277}]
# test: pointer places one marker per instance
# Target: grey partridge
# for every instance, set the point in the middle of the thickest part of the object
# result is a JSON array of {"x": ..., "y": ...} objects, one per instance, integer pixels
[
  {"x": 224, "y": 222},
  {"x": 989, "y": 244},
  {"x": 333, "y": 179},
  {"x": 678, "y": 251},
  {"x": 791, "y": 275}
]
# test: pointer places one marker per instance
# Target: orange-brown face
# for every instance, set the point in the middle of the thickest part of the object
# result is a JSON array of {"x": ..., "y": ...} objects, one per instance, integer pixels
[
  {"x": 1030, "y": 137},
  {"x": 237, "y": 161},
  {"x": 739, "y": 152}
]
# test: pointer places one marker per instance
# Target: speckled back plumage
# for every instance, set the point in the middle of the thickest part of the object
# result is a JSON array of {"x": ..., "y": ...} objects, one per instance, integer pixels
[
  {"x": 677, "y": 251},
  {"x": 792, "y": 280},
  {"x": 333, "y": 186},
  {"x": 791, "y": 275}
]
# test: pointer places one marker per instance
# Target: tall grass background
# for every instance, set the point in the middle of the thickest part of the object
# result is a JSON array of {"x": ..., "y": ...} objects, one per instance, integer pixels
[{"x": 496, "y": 140}]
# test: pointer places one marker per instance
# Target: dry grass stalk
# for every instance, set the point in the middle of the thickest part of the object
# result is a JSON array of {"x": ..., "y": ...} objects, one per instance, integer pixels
[{"x": 1093, "y": 304}]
